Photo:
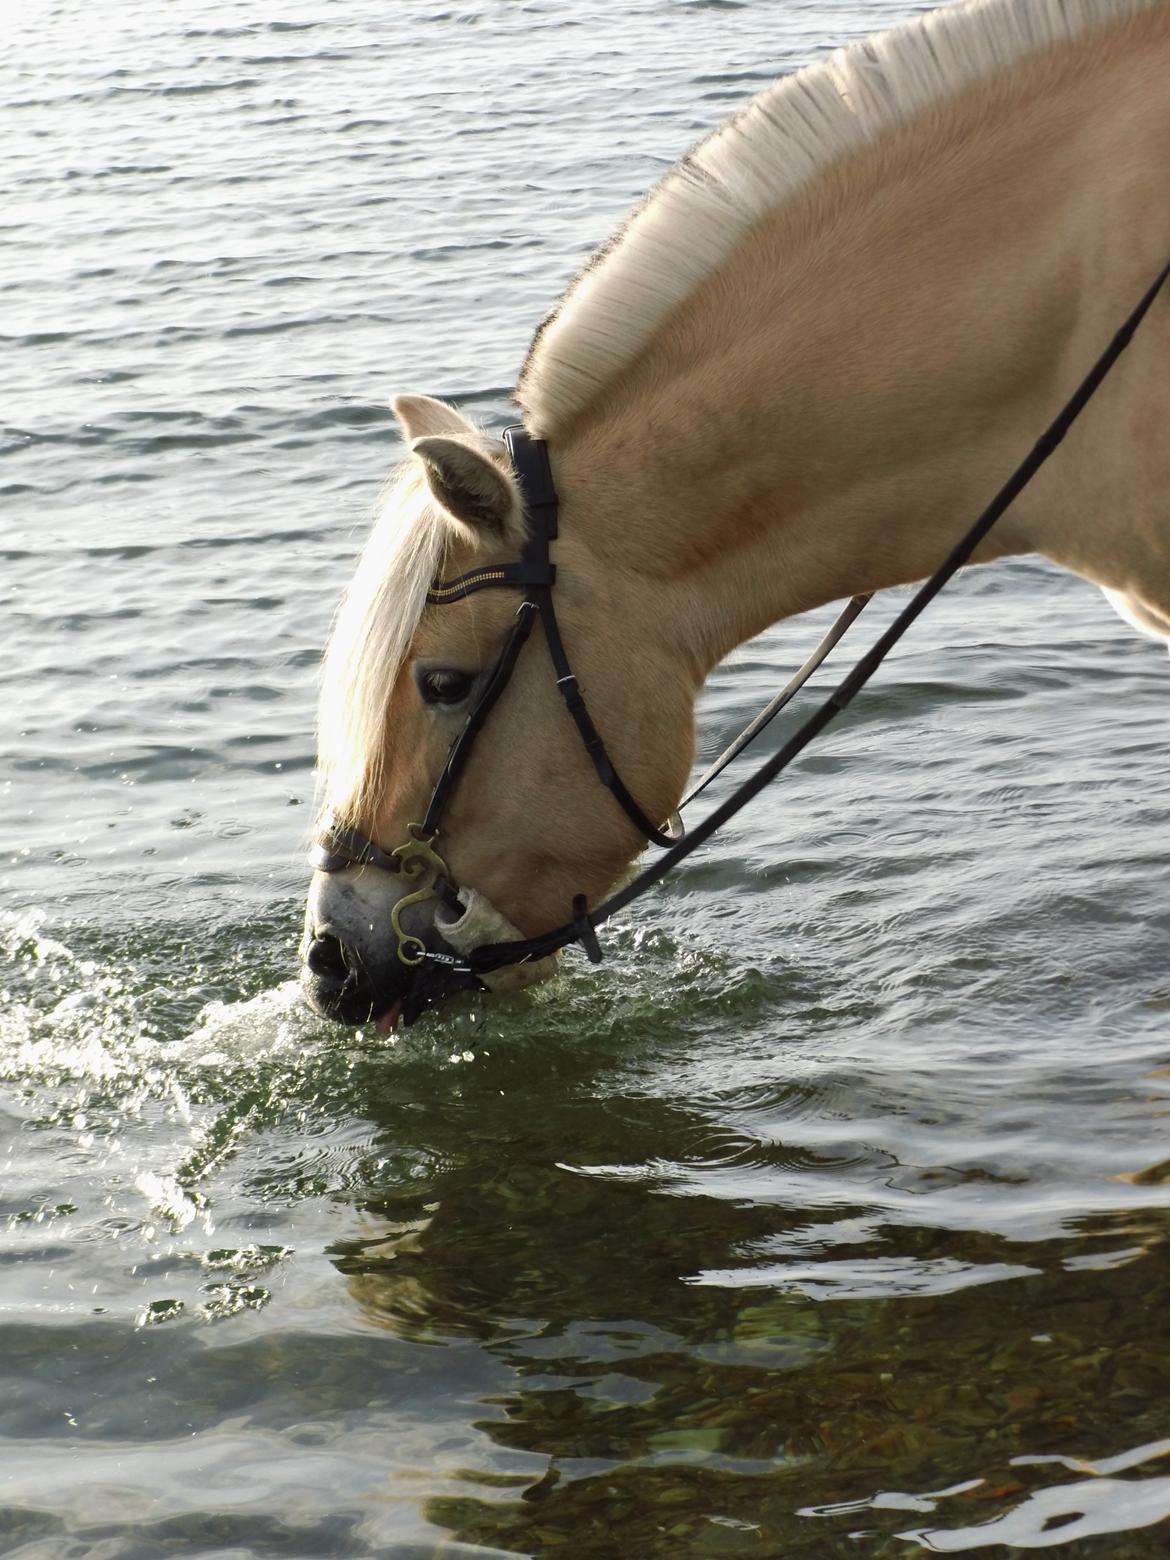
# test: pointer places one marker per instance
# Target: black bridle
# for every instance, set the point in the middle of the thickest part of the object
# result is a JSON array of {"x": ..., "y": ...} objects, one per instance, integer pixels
[
  {"x": 534, "y": 575},
  {"x": 338, "y": 845}
]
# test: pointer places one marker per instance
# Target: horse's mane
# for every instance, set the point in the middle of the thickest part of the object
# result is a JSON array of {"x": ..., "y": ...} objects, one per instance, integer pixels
[
  {"x": 372, "y": 632},
  {"x": 771, "y": 149}
]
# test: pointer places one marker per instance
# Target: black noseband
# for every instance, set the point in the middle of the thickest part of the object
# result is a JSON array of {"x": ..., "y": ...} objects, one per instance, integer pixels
[{"x": 336, "y": 846}]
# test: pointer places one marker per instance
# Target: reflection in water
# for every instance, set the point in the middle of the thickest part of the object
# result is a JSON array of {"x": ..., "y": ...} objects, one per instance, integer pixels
[{"x": 714, "y": 1418}]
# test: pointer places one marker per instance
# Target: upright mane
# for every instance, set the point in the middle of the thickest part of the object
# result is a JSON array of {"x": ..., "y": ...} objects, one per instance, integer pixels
[
  {"x": 773, "y": 148},
  {"x": 371, "y": 635}
]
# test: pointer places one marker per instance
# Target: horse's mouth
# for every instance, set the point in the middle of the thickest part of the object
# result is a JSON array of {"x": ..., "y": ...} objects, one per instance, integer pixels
[{"x": 355, "y": 1000}]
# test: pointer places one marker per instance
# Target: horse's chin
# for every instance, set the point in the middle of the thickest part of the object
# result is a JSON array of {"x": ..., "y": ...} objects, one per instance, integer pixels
[{"x": 355, "y": 1000}]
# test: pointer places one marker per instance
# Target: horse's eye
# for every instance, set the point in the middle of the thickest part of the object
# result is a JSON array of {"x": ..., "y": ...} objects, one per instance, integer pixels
[{"x": 445, "y": 687}]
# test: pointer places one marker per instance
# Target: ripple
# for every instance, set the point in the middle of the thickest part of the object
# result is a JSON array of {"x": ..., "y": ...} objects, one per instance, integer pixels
[
  {"x": 1063, "y": 1514},
  {"x": 874, "y": 1278}
]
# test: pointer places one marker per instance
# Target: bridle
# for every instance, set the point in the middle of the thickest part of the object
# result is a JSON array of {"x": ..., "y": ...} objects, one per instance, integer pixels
[
  {"x": 337, "y": 845},
  {"x": 534, "y": 574}
]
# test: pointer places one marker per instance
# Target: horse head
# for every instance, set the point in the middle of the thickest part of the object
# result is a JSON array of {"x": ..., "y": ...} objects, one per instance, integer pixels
[{"x": 525, "y": 827}]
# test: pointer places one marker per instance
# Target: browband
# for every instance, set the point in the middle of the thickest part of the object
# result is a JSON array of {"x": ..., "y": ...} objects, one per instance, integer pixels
[{"x": 525, "y": 573}]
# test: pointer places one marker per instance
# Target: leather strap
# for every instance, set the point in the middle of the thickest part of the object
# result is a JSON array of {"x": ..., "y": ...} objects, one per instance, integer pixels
[
  {"x": 336, "y": 845},
  {"x": 460, "y": 750},
  {"x": 535, "y": 574}
]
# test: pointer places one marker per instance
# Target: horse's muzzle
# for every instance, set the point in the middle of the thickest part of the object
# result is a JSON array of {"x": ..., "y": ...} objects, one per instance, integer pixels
[{"x": 338, "y": 987}]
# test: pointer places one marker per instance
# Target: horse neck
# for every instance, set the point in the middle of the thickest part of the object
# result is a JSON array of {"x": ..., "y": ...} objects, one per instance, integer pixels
[{"x": 828, "y": 413}]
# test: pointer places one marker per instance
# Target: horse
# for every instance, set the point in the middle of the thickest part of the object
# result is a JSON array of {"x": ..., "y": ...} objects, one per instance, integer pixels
[{"x": 791, "y": 377}]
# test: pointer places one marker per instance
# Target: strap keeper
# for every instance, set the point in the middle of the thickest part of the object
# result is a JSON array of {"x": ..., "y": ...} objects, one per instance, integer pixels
[
  {"x": 584, "y": 931},
  {"x": 571, "y": 693}
]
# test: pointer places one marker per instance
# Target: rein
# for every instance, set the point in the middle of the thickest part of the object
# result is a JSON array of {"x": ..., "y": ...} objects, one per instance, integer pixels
[{"x": 338, "y": 846}]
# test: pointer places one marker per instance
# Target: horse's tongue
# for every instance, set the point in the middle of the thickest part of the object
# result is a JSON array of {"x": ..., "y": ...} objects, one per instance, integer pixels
[{"x": 389, "y": 1018}]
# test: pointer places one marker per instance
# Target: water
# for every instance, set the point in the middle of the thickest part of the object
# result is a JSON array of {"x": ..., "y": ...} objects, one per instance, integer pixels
[{"x": 829, "y": 1217}]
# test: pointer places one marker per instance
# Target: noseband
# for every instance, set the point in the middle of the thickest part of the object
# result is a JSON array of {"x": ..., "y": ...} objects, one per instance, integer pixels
[{"x": 338, "y": 846}]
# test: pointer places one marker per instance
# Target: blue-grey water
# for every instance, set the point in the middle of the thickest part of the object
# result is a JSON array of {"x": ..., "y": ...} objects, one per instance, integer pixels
[{"x": 829, "y": 1216}]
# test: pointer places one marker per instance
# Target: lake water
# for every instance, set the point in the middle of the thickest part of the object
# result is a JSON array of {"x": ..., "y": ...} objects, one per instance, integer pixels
[{"x": 829, "y": 1217}]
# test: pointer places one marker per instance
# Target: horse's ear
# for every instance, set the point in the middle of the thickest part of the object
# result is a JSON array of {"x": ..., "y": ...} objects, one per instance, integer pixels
[
  {"x": 470, "y": 486},
  {"x": 420, "y": 416}
]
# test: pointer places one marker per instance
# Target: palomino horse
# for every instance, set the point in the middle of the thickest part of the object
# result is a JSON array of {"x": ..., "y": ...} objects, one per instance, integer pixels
[{"x": 795, "y": 375}]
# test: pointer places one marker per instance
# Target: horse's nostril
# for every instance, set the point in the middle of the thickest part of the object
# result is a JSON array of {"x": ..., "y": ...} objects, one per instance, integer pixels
[{"x": 326, "y": 957}]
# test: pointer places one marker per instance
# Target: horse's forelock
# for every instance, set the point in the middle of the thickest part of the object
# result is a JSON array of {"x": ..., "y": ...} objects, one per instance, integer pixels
[{"x": 372, "y": 633}]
